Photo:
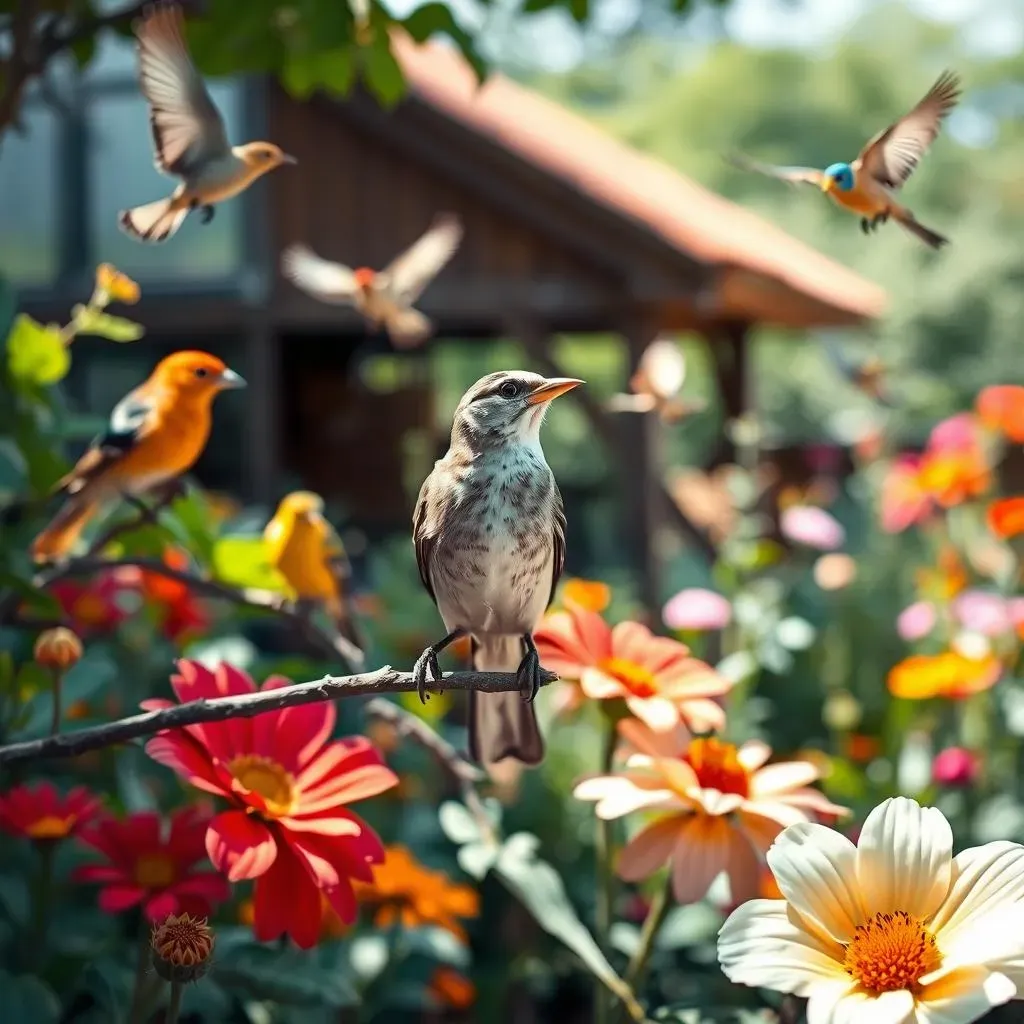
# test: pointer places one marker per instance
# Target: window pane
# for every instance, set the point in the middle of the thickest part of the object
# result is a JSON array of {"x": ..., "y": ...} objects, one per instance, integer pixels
[
  {"x": 28, "y": 200},
  {"x": 122, "y": 174}
]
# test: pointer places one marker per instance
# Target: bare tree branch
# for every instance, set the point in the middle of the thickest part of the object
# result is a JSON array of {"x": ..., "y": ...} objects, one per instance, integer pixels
[{"x": 148, "y": 723}]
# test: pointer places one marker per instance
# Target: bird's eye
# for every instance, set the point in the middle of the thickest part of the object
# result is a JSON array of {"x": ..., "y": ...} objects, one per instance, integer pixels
[
  {"x": 202, "y": 371},
  {"x": 510, "y": 389}
]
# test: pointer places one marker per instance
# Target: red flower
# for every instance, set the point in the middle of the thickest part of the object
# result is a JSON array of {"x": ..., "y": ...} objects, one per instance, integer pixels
[
  {"x": 153, "y": 866},
  {"x": 289, "y": 828},
  {"x": 40, "y": 812},
  {"x": 93, "y": 605},
  {"x": 1001, "y": 407},
  {"x": 182, "y": 615}
]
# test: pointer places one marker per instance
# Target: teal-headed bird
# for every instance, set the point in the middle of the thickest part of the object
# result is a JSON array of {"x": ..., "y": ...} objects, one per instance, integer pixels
[{"x": 869, "y": 184}]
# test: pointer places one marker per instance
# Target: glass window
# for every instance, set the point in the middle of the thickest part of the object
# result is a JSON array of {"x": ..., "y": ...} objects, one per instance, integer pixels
[
  {"x": 122, "y": 174},
  {"x": 28, "y": 200}
]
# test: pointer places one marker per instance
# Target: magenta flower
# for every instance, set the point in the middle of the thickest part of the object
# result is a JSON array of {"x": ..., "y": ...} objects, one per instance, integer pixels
[
  {"x": 916, "y": 620},
  {"x": 696, "y": 608},
  {"x": 983, "y": 612},
  {"x": 812, "y": 526},
  {"x": 956, "y": 434},
  {"x": 955, "y": 766}
]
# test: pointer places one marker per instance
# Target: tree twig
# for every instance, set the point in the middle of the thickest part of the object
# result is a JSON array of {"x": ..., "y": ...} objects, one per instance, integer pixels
[
  {"x": 88, "y": 565},
  {"x": 148, "y": 723}
]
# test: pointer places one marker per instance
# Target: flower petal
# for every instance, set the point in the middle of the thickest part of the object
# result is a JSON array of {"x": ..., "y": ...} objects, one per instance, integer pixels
[
  {"x": 963, "y": 996},
  {"x": 599, "y": 686},
  {"x": 670, "y": 743},
  {"x": 753, "y": 754},
  {"x": 650, "y": 849},
  {"x": 904, "y": 858},
  {"x": 115, "y": 898},
  {"x": 763, "y": 944},
  {"x": 779, "y": 778},
  {"x": 987, "y": 938},
  {"x": 240, "y": 846},
  {"x": 617, "y": 796},
  {"x": 287, "y": 902},
  {"x": 815, "y": 868},
  {"x": 657, "y": 712},
  {"x": 701, "y": 854}
]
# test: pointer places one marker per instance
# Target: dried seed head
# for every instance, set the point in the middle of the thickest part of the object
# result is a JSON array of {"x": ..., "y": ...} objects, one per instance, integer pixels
[
  {"x": 58, "y": 649},
  {"x": 182, "y": 946}
]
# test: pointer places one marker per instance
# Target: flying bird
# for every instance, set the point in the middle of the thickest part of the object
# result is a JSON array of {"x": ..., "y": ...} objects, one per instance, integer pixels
[
  {"x": 385, "y": 298},
  {"x": 189, "y": 136},
  {"x": 657, "y": 384},
  {"x": 489, "y": 535},
  {"x": 869, "y": 184},
  {"x": 155, "y": 434},
  {"x": 303, "y": 547}
]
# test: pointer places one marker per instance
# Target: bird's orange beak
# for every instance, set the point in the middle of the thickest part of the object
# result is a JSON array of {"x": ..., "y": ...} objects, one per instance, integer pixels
[
  {"x": 827, "y": 183},
  {"x": 552, "y": 388}
]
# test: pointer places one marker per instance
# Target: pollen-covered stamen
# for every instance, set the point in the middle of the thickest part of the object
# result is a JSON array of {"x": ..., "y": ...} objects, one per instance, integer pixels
[
  {"x": 717, "y": 766},
  {"x": 891, "y": 952},
  {"x": 266, "y": 777},
  {"x": 638, "y": 680}
]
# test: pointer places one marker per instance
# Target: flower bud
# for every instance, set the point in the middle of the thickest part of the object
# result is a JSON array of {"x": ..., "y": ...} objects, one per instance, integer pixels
[
  {"x": 118, "y": 287},
  {"x": 58, "y": 649},
  {"x": 182, "y": 947},
  {"x": 955, "y": 766}
]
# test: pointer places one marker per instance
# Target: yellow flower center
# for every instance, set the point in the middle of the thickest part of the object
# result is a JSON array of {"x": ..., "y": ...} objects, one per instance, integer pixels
[
  {"x": 717, "y": 766},
  {"x": 638, "y": 680},
  {"x": 155, "y": 871},
  {"x": 50, "y": 827},
  {"x": 891, "y": 952},
  {"x": 266, "y": 777}
]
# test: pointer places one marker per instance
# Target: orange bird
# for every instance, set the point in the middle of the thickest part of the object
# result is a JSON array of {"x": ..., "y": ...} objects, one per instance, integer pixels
[
  {"x": 384, "y": 297},
  {"x": 155, "y": 434}
]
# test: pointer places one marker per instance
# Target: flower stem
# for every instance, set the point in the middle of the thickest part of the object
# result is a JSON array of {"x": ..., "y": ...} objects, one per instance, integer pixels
[
  {"x": 656, "y": 914},
  {"x": 174, "y": 1006},
  {"x": 43, "y": 901},
  {"x": 605, "y": 876},
  {"x": 58, "y": 681},
  {"x": 142, "y": 965}
]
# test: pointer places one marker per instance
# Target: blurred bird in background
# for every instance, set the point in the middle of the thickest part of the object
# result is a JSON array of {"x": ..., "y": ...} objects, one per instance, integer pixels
[
  {"x": 155, "y": 433},
  {"x": 489, "y": 534},
  {"x": 657, "y": 385},
  {"x": 867, "y": 375},
  {"x": 868, "y": 185},
  {"x": 189, "y": 136},
  {"x": 385, "y": 298},
  {"x": 303, "y": 547}
]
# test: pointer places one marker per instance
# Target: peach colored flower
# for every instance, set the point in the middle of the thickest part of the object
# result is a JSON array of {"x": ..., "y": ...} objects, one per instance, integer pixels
[
  {"x": 904, "y": 501},
  {"x": 724, "y": 807},
  {"x": 658, "y": 679},
  {"x": 591, "y": 595},
  {"x": 698, "y": 609},
  {"x": 812, "y": 526}
]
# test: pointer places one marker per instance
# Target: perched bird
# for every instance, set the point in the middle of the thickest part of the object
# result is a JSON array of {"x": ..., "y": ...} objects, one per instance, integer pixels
[
  {"x": 189, "y": 136},
  {"x": 869, "y": 184},
  {"x": 303, "y": 547},
  {"x": 155, "y": 434},
  {"x": 385, "y": 298},
  {"x": 489, "y": 533},
  {"x": 657, "y": 384}
]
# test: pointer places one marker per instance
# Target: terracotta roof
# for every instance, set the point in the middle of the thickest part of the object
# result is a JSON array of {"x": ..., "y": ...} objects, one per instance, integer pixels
[{"x": 687, "y": 216}]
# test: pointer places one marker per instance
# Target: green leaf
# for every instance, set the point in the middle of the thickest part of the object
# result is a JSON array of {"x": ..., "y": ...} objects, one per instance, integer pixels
[
  {"x": 538, "y": 887},
  {"x": 457, "y": 823},
  {"x": 535, "y": 6},
  {"x": 103, "y": 325},
  {"x": 242, "y": 562},
  {"x": 284, "y": 976},
  {"x": 432, "y": 18},
  {"x": 37, "y": 600},
  {"x": 381, "y": 71},
  {"x": 36, "y": 356},
  {"x": 13, "y": 467},
  {"x": 83, "y": 48},
  {"x": 333, "y": 70},
  {"x": 438, "y": 944},
  {"x": 476, "y": 859},
  {"x": 27, "y": 998},
  {"x": 14, "y": 898},
  {"x": 580, "y": 10}
]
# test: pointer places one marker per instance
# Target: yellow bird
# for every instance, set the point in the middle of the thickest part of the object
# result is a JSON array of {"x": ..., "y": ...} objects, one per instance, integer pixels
[
  {"x": 868, "y": 185},
  {"x": 189, "y": 136},
  {"x": 303, "y": 547}
]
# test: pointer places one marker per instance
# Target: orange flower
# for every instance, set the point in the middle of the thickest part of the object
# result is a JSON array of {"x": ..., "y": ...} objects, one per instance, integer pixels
[
  {"x": 414, "y": 895},
  {"x": 947, "y": 580},
  {"x": 1006, "y": 517},
  {"x": 1001, "y": 408},
  {"x": 903, "y": 500},
  {"x": 117, "y": 286},
  {"x": 589, "y": 595},
  {"x": 949, "y": 674},
  {"x": 658, "y": 679},
  {"x": 952, "y": 477},
  {"x": 862, "y": 748},
  {"x": 725, "y": 807},
  {"x": 452, "y": 989}
]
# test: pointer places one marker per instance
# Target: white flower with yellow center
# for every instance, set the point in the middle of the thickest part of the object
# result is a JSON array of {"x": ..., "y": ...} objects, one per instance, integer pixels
[{"x": 895, "y": 930}]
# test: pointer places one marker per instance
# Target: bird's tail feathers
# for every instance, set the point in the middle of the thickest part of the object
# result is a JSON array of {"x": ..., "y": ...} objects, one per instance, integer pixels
[
  {"x": 57, "y": 540},
  {"x": 153, "y": 222},
  {"x": 502, "y": 725},
  {"x": 407, "y": 328},
  {"x": 929, "y": 237}
]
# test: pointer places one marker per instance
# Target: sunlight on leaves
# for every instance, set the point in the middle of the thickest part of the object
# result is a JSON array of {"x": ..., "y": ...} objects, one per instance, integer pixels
[
  {"x": 242, "y": 562},
  {"x": 36, "y": 355},
  {"x": 89, "y": 320}
]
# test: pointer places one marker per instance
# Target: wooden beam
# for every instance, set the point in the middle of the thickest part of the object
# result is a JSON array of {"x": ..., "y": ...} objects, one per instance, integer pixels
[{"x": 730, "y": 353}]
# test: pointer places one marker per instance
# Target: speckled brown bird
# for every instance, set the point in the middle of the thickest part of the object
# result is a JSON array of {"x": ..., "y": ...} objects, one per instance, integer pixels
[{"x": 489, "y": 533}]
